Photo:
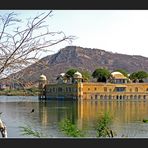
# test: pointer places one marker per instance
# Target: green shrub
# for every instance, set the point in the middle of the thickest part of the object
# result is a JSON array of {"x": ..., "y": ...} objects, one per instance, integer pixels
[
  {"x": 102, "y": 128},
  {"x": 70, "y": 129}
]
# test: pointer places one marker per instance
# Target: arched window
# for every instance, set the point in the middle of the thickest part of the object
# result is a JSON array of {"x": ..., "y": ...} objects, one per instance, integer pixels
[
  {"x": 101, "y": 97},
  {"x": 136, "y": 89},
  {"x": 135, "y": 97},
  {"x": 60, "y": 89},
  {"x": 110, "y": 97},
  {"x": 124, "y": 97},
  {"x": 105, "y": 97},
  {"x": 105, "y": 89},
  {"x": 69, "y": 89}
]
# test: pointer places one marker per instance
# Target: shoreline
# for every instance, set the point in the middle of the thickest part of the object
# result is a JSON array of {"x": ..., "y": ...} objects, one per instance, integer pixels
[{"x": 18, "y": 93}]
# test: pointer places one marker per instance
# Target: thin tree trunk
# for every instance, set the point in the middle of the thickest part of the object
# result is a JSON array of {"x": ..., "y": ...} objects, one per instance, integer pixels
[{"x": 3, "y": 129}]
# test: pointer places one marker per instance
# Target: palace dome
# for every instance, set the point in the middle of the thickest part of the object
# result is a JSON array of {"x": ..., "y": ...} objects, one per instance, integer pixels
[
  {"x": 42, "y": 77},
  {"x": 77, "y": 75},
  {"x": 62, "y": 74},
  {"x": 118, "y": 75}
]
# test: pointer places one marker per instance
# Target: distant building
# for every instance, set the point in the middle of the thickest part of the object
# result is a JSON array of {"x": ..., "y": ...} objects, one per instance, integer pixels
[{"x": 117, "y": 87}]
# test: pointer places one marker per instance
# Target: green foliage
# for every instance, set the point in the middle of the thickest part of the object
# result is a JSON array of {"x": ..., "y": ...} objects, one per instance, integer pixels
[
  {"x": 139, "y": 75},
  {"x": 145, "y": 120},
  {"x": 86, "y": 75},
  {"x": 32, "y": 91},
  {"x": 21, "y": 92},
  {"x": 101, "y": 74},
  {"x": 102, "y": 126},
  {"x": 70, "y": 129},
  {"x": 133, "y": 77},
  {"x": 71, "y": 72},
  {"x": 27, "y": 130}
]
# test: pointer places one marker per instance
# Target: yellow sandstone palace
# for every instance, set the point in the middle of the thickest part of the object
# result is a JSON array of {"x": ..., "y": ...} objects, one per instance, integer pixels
[{"x": 117, "y": 87}]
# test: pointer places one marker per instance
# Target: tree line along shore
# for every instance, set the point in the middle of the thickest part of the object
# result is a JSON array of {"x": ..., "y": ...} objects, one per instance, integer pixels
[{"x": 20, "y": 92}]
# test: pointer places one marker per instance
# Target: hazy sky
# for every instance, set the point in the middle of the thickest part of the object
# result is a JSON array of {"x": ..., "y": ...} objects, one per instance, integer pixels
[{"x": 122, "y": 31}]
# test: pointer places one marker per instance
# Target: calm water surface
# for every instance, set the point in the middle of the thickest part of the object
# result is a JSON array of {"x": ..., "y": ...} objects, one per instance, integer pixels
[{"x": 126, "y": 116}]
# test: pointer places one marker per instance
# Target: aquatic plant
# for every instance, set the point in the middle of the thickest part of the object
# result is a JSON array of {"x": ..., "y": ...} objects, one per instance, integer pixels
[
  {"x": 27, "y": 130},
  {"x": 102, "y": 126},
  {"x": 145, "y": 120},
  {"x": 70, "y": 129}
]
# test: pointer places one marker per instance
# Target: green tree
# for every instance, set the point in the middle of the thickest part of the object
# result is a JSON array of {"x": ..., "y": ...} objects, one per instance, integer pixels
[
  {"x": 141, "y": 75},
  {"x": 133, "y": 77},
  {"x": 71, "y": 72},
  {"x": 138, "y": 76},
  {"x": 101, "y": 74},
  {"x": 86, "y": 75}
]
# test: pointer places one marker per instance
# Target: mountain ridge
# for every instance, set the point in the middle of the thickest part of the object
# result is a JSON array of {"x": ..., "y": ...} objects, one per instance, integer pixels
[{"x": 82, "y": 59}]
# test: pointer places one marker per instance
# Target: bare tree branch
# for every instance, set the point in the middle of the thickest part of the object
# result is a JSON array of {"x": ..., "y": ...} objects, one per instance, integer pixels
[
  {"x": 3, "y": 129},
  {"x": 22, "y": 46}
]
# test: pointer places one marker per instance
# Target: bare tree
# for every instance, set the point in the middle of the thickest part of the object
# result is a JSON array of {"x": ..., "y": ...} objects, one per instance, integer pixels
[{"x": 23, "y": 45}]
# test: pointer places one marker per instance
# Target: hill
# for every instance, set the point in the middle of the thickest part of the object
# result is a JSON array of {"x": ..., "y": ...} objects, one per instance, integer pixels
[{"x": 82, "y": 59}]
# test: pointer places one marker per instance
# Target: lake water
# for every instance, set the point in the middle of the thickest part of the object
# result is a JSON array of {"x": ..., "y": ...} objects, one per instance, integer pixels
[{"x": 126, "y": 116}]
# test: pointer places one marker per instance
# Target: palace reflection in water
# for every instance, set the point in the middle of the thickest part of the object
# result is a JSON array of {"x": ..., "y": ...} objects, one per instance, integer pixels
[
  {"x": 85, "y": 113},
  {"x": 127, "y": 115}
]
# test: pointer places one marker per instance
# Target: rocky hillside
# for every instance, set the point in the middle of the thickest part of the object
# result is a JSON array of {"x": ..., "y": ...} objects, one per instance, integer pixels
[{"x": 83, "y": 59}]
